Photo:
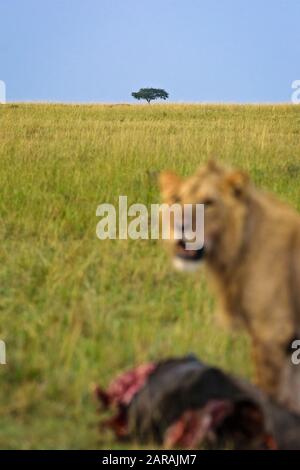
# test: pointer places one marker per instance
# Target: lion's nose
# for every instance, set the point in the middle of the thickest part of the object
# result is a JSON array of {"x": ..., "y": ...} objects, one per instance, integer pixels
[
  {"x": 182, "y": 228},
  {"x": 179, "y": 231},
  {"x": 181, "y": 244}
]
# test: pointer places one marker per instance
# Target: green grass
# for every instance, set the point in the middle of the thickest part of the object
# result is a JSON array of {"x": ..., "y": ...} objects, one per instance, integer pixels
[{"x": 76, "y": 310}]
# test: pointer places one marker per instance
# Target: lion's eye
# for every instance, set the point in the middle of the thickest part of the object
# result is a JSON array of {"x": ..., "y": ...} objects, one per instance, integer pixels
[{"x": 208, "y": 202}]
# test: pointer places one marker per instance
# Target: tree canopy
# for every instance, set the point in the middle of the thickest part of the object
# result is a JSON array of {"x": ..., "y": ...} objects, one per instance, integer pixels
[{"x": 150, "y": 94}]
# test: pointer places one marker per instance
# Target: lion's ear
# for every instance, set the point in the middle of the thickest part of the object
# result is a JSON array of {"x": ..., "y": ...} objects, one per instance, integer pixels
[
  {"x": 238, "y": 181},
  {"x": 214, "y": 166},
  {"x": 169, "y": 184},
  {"x": 211, "y": 166}
]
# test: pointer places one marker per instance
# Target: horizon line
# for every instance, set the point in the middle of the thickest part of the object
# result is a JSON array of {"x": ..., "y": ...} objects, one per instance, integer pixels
[{"x": 126, "y": 103}]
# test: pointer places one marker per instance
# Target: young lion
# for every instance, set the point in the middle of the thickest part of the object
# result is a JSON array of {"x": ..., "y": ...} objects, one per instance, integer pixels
[{"x": 252, "y": 251}]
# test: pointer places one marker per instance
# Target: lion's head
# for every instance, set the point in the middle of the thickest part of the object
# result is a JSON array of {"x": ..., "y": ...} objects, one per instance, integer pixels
[{"x": 224, "y": 193}]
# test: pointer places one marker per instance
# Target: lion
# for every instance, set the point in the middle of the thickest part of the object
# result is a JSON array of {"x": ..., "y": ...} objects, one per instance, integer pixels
[{"x": 251, "y": 251}]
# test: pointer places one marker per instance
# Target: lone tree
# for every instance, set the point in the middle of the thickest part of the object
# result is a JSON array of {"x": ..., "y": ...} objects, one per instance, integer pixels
[{"x": 150, "y": 94}]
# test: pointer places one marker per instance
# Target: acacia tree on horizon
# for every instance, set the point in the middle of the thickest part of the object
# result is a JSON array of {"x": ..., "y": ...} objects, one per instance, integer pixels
[{"x": 150, "y": 94}]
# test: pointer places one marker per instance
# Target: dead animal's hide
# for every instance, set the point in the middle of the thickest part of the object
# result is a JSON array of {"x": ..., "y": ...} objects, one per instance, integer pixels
[{"x": 186, "y": 404}]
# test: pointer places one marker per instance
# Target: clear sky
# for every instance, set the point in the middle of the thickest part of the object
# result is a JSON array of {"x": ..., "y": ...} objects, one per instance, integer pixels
[{"x": 102, "y": 50}]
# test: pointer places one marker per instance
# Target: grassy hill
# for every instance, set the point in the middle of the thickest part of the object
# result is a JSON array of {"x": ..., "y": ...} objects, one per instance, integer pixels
[{"x": 76, "y": 310}]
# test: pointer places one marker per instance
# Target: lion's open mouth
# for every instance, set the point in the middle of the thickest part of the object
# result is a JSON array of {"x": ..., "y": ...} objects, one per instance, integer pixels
[{"x": 188, "y": 255}]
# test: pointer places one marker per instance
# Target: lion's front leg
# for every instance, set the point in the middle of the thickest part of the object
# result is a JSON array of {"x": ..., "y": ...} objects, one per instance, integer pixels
[{"x": 269, "y": 363}]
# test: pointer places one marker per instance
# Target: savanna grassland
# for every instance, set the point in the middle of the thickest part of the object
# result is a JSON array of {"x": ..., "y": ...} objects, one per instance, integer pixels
[{"x": 74, "y": 310}]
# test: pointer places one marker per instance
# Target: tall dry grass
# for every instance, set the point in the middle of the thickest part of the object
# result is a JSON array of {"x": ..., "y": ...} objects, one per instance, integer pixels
[{"x": 76, "y": 310}]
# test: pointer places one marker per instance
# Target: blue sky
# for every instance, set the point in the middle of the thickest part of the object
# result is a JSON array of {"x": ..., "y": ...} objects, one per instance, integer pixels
[{"x": 101, "y": 50}]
